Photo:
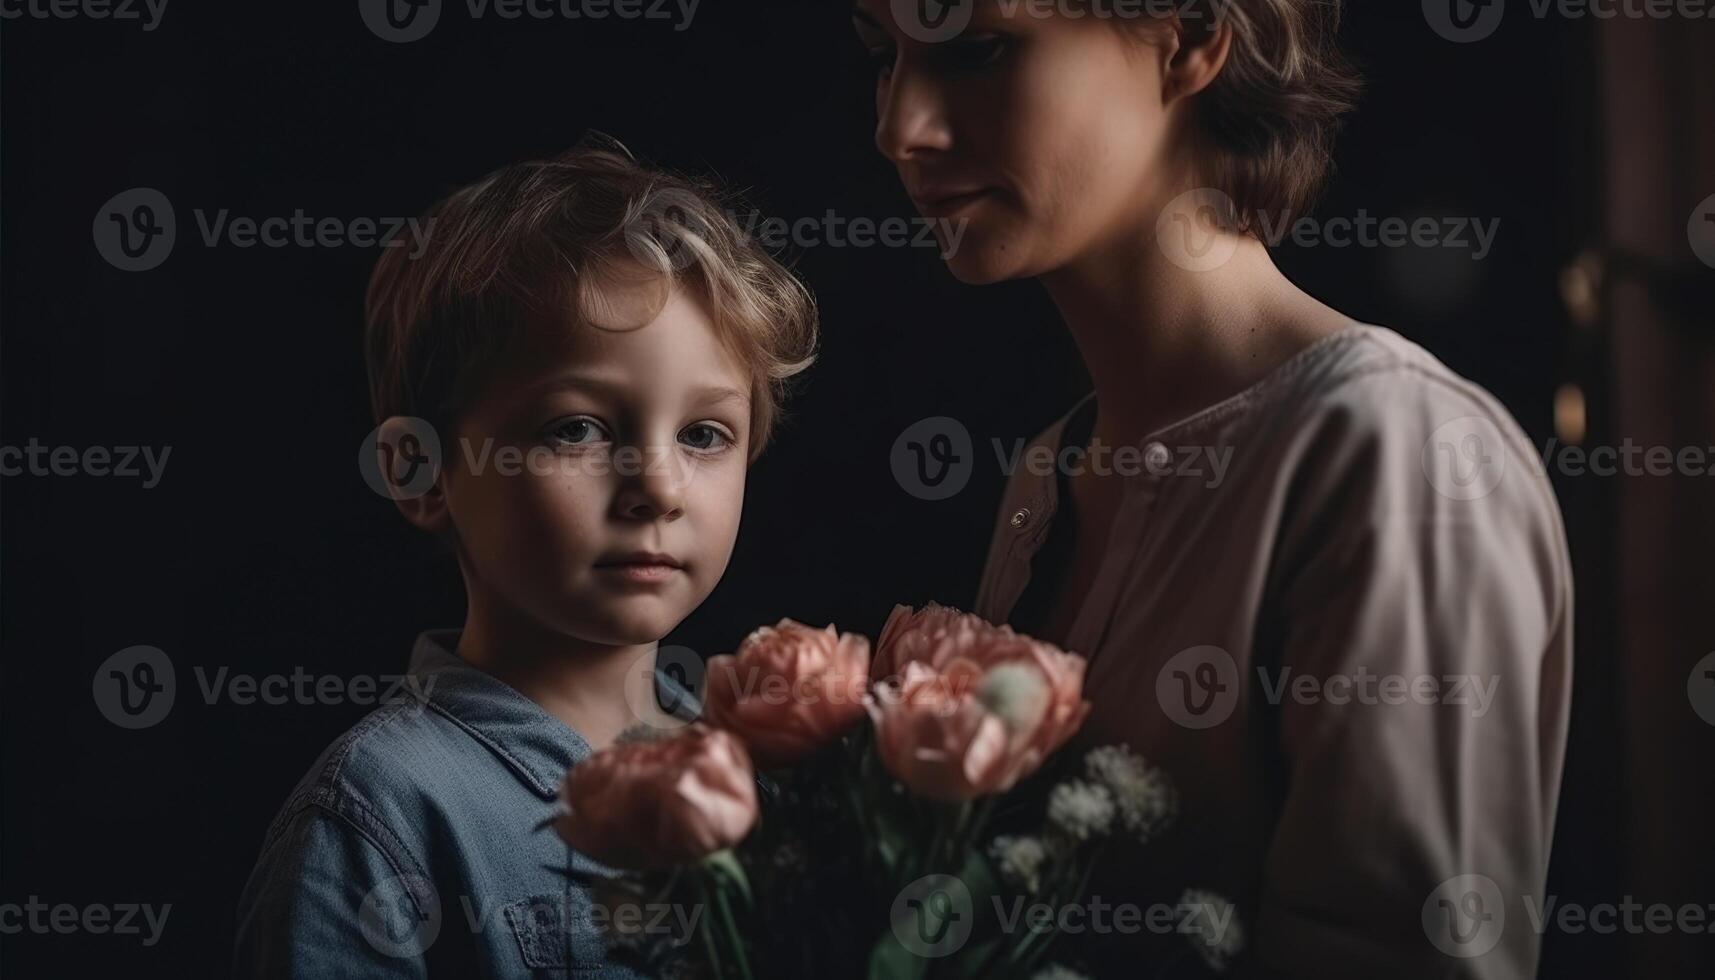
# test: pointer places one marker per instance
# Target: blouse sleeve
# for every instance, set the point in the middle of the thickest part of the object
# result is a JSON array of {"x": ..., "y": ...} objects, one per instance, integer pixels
[{"x": 1422, "y": 582}]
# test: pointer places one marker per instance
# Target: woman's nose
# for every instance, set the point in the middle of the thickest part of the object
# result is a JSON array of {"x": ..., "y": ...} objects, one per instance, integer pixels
[{"x": 911, "y": 117}]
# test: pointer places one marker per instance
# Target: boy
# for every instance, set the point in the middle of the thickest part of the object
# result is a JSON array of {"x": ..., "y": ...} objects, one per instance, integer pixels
[{"x": 601, "y": 355}]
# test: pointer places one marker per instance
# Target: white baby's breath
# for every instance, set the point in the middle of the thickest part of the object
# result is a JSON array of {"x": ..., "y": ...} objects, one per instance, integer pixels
[
  {"x": 1020, "y": 860},
  {"x": 1083, "y": 810},
  {"x": 1143, "y": 794},
  {"x": 1212, "y": 925}
]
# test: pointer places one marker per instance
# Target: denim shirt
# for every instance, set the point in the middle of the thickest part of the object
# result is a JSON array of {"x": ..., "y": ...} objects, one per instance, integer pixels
[{"x": 412, "y": 848}]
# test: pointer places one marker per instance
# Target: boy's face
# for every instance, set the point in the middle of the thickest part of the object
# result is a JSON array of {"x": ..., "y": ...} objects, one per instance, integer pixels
[{"x": 595, "y": 490}]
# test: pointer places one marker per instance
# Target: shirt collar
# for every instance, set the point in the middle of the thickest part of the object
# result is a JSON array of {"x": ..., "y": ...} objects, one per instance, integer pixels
[{"x": 534, "y": 744}]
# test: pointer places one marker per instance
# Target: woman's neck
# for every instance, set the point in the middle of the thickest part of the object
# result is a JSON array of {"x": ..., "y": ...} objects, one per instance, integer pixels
[
  {"x": 1162, "y": 341},
  {"x": 583, "y": 684}
]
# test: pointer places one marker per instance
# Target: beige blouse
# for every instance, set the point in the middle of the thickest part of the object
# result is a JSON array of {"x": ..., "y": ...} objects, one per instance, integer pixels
[{"x": 1337, "y": 609}]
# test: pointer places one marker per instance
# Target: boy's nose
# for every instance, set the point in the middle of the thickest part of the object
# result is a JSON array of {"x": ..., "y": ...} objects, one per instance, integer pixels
[{"x": 654, "y": 489}]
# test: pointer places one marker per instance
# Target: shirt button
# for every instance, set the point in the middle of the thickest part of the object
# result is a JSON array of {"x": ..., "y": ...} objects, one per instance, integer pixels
[
  {"x": 1156, "y": 457},
  {"x": 1021, "y": 517}
]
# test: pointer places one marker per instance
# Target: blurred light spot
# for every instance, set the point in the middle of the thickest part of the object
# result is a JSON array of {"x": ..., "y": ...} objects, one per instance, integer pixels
[{"x": 1569, "y": 420}]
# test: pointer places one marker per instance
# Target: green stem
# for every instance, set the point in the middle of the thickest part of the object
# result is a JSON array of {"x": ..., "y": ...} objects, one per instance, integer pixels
[
  {"x": 710, "y": 946},
  {"x": 733, "y": 937}
]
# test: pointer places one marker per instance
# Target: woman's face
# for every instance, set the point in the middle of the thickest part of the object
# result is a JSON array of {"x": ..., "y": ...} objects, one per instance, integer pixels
[{"x": 1044, "y": 135}]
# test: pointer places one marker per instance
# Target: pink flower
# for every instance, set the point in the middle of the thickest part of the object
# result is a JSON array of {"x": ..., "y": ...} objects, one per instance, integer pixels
[
  {"x": 789, "y": 690},
  {"x": 924, "y": 635},
  {"x": 974, "y": 707},
  {"x": 659, "y": 803}
]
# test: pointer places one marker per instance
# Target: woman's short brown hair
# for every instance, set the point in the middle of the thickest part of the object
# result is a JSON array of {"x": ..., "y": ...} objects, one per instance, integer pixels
[
  {"x": 533, "y": 250},
  {"x": 1264, "y": 128}
]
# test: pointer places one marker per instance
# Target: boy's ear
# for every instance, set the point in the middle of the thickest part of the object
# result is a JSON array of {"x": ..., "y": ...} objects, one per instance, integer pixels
[{"x": 408, "y": 458}]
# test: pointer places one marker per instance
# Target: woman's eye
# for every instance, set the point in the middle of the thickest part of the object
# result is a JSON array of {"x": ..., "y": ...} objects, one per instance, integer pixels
[
  {"x": 576, "y": 431},
  {"x": 881, "y": 59},
  {"x": 704, "y": 438},
  {"x": 968, "y": 53}
]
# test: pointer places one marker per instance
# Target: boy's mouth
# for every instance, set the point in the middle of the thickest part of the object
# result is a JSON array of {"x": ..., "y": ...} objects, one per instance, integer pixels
[{"x": 641, "y": 566}]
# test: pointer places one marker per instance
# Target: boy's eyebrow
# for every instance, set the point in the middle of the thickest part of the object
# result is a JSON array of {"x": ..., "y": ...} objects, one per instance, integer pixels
[{"x": 611, "y": 390}]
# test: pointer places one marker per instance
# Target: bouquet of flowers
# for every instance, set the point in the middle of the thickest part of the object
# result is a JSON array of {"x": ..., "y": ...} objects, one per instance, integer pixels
[{"x": 868, "y": 845}]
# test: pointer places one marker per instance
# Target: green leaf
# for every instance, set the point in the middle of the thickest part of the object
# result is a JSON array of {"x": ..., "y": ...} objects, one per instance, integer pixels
[{"x": 888, "y": 960}]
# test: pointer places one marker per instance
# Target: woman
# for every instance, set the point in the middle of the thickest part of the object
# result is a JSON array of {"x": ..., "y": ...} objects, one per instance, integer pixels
[{"x": 1351, "y": 648}]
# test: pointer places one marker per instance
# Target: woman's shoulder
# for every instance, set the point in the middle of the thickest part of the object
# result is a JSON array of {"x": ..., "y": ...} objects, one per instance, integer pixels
[
  {"x": 1369, "y": 383},
  {"x": 1382, "y": 431}
]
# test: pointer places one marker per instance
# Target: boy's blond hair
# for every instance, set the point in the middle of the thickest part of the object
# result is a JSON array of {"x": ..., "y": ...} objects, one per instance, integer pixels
[{"x": 514, "y": 258}]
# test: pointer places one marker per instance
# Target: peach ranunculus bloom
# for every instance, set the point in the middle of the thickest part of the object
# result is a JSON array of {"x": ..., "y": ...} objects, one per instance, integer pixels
[
  {"x": 971, "y": 707},
  {"x": 659, "y": 802},
  {"x": 936, "y": 635},
  {"x": 788, "y": 690}
]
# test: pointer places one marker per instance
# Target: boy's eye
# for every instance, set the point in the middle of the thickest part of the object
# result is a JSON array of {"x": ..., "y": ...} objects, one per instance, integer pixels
[
  {"x": 579, "y": 430},
  {"x": 704, "y": 437}
]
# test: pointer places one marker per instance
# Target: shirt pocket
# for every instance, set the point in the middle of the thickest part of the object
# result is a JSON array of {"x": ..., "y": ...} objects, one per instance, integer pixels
[{"x": 556, "y": 935}]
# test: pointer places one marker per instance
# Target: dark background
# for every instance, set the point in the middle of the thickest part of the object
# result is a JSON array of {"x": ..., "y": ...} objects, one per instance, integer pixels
[{"x": 263, "y": 550}]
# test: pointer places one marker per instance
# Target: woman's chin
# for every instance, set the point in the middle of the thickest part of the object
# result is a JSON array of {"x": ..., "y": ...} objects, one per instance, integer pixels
[{"x": 980, "y": 263}]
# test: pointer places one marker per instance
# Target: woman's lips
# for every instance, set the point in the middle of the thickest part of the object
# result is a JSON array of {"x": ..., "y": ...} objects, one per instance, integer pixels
[{"x": 948, "y": 205}]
